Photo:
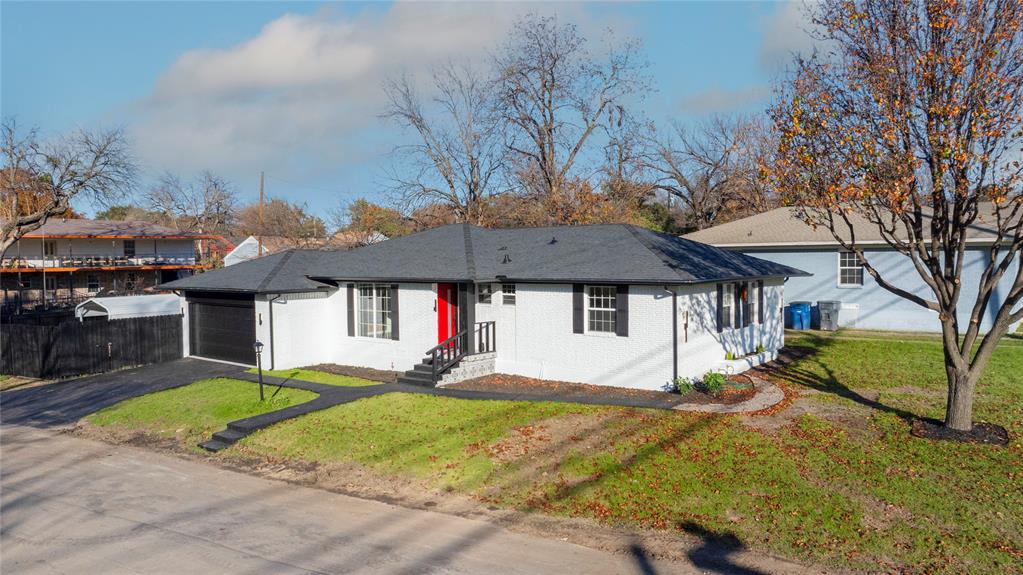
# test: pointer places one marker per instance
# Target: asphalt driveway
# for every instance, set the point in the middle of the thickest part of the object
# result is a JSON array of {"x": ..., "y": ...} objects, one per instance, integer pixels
[{"x": 64, "y": 403}]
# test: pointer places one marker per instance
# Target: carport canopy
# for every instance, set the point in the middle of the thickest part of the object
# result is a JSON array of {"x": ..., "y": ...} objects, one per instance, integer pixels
[{"x": 123, "y": 307}]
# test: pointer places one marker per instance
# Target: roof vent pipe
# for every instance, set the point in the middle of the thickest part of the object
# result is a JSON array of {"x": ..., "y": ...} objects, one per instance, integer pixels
[
  {"x": 506, "y": 259},
  {"x": 554, "y": 240}
]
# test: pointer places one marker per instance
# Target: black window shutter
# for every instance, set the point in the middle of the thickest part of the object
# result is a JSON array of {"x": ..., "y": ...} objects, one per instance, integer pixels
[
  {"x": 760, "y": 301},
  {"x": 622, "y": 311},
  {"x": 351, "y": 310},
  {"x": 737, "y": 305},
  {"x": 577, "y": 308},
  {"x": 721, "y": 308},
  {"x": 394, "y": 311}
]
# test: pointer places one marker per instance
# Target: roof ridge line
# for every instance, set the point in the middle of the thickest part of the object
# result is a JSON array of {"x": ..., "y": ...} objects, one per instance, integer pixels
[
  {"x": 656, "y": 253},
  {"x": 470, "y": 258},
  {"x": 276, "y": 268}
]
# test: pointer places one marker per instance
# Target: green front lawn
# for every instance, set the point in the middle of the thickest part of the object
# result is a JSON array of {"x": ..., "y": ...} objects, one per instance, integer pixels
[
  {"x": 318, "y": 377},
  {"x": 836, "y": 479},
  {"x": 193, "y": 412}
]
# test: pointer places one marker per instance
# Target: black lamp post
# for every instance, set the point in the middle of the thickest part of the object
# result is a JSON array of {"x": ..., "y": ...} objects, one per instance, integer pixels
[{"x": 258, "y": 346}]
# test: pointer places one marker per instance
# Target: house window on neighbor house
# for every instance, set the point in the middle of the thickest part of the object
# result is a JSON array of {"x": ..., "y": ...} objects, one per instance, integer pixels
[
  {"x": 92, "y": 283},
  {"x": 374, "y": 311},
  {"x": 51, "y": 283},
  {"x": 850, "y": 270},
  {"x": 726, "y": 306},
  {"x": 50, "y": 248},
  {"x": 25, "y": 283},
  {"x": 129, "y": 248},
  {"x": 600, "y": 309},
  {"x": 486, "y": 293},
  {"x": 131, "y": 282},
  {"x": 508, "y": 294}
]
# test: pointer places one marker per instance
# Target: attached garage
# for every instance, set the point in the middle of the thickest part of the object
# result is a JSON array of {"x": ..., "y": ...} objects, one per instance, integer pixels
[{"x": 222, "y": 326}]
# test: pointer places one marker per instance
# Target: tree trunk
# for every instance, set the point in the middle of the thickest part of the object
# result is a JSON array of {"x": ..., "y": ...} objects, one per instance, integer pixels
[{"x": 959, "y": 409}]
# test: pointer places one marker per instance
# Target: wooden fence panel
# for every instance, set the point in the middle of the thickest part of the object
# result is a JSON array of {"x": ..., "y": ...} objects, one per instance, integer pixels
[{"x": 73, "y": 348}]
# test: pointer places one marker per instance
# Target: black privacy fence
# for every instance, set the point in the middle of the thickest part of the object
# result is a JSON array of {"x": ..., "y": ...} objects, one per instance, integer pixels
[{"x": 71, "y": 347}]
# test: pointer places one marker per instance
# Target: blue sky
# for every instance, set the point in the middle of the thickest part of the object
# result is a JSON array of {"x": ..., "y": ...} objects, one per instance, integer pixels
[{"x": 294, "y": 88}]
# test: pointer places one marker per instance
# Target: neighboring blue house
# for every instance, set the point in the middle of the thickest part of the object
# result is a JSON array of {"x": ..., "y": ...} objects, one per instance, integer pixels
[{"x": 779, "y": 236}]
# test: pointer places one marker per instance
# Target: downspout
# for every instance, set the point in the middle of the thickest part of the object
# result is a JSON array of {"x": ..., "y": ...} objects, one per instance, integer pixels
[
  {"x": 674, "y": 333},
  {"x": 273, "y": 344}
]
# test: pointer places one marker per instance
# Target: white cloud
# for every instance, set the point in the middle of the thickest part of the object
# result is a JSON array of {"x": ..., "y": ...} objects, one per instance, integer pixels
[
  {"x": 717, "y": 100},
  {"x": 303, "y": 93},
  {"x": 785, "y": 34}
]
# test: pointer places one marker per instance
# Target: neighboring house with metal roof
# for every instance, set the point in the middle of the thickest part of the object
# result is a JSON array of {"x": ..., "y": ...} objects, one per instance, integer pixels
[
  {"x": 781, "y": 236},
  {"x": 604, "y": 304},
  {"x": 67, "y": 261},
  {"x": 125, "y": 307}
]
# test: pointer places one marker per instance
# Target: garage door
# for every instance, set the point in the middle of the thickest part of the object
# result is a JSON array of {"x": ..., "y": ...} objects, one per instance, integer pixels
[{"x": 222, "y": 327}]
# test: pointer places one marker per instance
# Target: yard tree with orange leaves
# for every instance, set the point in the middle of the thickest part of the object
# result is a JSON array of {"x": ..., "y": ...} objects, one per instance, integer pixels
[{"x": 908, "y": 119}]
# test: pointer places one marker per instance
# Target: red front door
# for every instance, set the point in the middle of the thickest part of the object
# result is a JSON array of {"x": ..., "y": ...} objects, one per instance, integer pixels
[{"x": 447, "y": 311}]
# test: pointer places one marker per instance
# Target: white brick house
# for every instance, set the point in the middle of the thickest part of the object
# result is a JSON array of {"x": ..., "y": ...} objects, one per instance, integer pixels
[{"x": 605, "y": 304}]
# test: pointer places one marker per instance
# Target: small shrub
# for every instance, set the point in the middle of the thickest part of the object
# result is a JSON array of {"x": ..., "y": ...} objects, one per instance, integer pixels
[
  {"x": 682, "y": 385},
  {"x": 713, "y": 383},
  {"x": 729, "y": 356},
  {"x": 760, "y": 348}
]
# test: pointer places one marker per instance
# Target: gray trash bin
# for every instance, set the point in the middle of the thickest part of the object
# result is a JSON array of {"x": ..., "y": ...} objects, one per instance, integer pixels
[{"x": 829, "y": 314}]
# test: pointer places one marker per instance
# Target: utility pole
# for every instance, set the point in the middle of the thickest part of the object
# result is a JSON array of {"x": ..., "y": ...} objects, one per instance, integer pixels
[{"x": 259, "y": 250}]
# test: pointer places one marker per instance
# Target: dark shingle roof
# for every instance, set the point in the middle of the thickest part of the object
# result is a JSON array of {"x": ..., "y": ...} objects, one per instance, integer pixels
[
  {"x": 610, "y": 253},
  {"x": 286, "y": 271}
]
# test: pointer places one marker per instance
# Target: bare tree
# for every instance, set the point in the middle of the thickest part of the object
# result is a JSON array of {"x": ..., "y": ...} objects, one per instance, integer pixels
[
  {"x": 458, "y": 154},
  {"x": 205, "y": 204},
  {"x": 91, "y": 165},
  {"x": 697, "y": 167},
  {"x": 553, "y": 95},
  {"x": 912, "y": 125},
  {"x": 714, "y": 170}
]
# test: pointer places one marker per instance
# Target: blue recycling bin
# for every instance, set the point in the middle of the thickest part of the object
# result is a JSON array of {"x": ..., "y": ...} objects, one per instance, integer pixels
[{"x": 798, "y": 315}]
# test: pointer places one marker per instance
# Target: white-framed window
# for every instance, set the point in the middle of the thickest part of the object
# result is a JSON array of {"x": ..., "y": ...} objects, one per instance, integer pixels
[
  {"x": 850, "y": 270},
  {"x": 749, "y": 307},
  {"x": 373, "y": 310},
  {"x": 508, "y": 294},
  {"x": 92, "y": 283},
  {"x": 727, "y": 303},
  {"x": 486, "y": 293},
  {"x": 131, "y": 282},
  {"x": 50, "y": 248},
  {"x": 601, "y": 312}
]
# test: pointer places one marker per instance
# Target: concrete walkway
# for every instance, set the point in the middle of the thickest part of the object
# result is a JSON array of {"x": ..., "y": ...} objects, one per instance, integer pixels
[{"x": 70, "y": 505}]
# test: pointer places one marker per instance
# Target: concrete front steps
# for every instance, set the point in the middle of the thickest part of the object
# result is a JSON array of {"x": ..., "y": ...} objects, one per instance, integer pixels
[{"x": 421, "y": 374}]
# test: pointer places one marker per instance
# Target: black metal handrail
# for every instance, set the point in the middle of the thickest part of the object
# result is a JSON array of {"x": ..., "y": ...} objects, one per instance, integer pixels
[
  {"x": 486, "y": 337},
  {"x": 451, "y": 350},
  {"x": 447, "y": 353}
]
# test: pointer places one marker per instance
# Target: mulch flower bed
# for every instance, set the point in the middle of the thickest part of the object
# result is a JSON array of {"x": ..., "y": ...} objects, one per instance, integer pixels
[
  {"x": 987, "y": 433},
  {"x": 505, "y": 383},
  {"x": 738, "y": 388},
  {"x": 361, "y": 372}
]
